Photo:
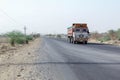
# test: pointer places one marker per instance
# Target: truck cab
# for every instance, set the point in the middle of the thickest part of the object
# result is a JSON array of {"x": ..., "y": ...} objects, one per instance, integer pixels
[{"x": 78, "y": 33}]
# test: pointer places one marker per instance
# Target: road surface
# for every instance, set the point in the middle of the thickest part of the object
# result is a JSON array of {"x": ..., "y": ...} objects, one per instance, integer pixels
[{"x": 80, "y": 62}]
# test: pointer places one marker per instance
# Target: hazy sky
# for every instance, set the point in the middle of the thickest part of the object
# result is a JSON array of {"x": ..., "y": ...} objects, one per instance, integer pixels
[{"x": 54, "y": 16}]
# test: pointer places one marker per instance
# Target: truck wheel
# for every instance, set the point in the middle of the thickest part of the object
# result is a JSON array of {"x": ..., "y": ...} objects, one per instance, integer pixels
[
  {"x": 69, "y": 40},
  {"x": 77, "y": 42},
  {"x": 73, "y": 42},
  {"x": 85, "y": 42}
]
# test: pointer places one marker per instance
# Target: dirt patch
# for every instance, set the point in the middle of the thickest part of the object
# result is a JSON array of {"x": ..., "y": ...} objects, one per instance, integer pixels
[
  {"x": 112, "y": 42},
  {"x": 17, "y": 63}
]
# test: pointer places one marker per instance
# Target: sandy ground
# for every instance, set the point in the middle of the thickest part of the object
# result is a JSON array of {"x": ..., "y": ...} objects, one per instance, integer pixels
[
  {"x": 20, "y": 63},
  {"x": 112, "y": 42}
]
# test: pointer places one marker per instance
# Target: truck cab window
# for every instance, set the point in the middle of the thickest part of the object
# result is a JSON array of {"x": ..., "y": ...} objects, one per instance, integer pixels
[
  {"x": 84, "y": 30},
  {"x": 77, "y": 30}
]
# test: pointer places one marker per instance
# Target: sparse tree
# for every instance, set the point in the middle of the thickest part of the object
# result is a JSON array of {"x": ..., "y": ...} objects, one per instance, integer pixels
[
  {"x": 112, "y": 34},
  {"x": 95, "y": 35},
  {"x": 118, "y": 34}
]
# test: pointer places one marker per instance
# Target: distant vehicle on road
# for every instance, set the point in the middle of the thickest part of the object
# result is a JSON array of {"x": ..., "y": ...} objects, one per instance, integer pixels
[{"x": 78, "y": 32}]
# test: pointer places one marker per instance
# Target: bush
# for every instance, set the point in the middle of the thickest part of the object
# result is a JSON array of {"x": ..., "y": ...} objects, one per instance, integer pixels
[
  {"x": 112, "y": 34},
  {"x": 20, "y": 40},
  {"x": 58, "y": 36},
  {"x": 29, "y": 37},
  {"x": 12, "y": 42},
  {"x": 16, "y": 37},
  {"x": 104, "y": 38},
  {"x": 118, "y": 34}
]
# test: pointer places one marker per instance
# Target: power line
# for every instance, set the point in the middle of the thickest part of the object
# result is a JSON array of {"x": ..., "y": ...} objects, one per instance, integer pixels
[{"x": 12, "y": 19}]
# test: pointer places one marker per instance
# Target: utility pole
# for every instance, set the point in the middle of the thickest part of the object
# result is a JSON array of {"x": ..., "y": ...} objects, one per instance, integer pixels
[
  {"x": 25, "y": 33},
  {"x": 25, "y": 30}
]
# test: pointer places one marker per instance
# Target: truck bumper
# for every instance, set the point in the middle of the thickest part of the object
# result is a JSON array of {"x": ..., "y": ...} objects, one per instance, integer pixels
[{"x": 81, "y": 39}]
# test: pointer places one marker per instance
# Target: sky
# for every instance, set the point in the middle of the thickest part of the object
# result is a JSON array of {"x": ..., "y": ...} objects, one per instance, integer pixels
[{"x": 54, "y": 16}]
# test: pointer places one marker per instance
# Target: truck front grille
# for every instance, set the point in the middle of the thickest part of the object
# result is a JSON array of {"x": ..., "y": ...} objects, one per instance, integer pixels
[{"x": 81, "y": 36}]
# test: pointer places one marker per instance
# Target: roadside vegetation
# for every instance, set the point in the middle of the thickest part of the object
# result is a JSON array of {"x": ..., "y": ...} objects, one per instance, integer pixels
[
  {"x": 17, "y": 37},
  {"x": 111, "y": 35},
  {"x": 14, "y": 40}
]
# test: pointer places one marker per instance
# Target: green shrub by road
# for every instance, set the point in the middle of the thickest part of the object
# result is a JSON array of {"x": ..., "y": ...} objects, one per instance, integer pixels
[{"x": 18, "y": 37}]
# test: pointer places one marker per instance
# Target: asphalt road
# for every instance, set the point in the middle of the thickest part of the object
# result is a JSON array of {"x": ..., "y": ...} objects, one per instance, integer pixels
[{"x": 81, "y": 62}]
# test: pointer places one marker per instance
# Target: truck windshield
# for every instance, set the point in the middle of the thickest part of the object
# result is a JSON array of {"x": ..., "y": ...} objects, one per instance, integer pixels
[
  {"x": 80, "y": 30},
  {"x": 84, "y": 30},
  {"x": 77, "y": 30}
]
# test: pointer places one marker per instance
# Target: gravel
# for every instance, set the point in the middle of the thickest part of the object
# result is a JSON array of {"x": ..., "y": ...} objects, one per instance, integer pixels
[{"x": 20, "y": 63}]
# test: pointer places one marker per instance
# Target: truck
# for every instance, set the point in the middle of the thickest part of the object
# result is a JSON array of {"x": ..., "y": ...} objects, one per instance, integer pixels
[{"x": 78, "y": 33}]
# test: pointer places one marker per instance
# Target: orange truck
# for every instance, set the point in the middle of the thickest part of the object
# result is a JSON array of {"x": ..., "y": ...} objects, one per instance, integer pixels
[{"x": 78, "y": 32}]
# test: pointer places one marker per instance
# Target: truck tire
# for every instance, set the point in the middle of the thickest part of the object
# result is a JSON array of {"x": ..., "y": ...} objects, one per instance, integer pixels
[
  {"x": 73, "y": 41},
  {"x": 85, "y": 42},
  {"x": 69, "y": 40}
]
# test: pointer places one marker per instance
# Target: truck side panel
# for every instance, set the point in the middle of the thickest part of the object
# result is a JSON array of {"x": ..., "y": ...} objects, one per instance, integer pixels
[{"x": 70, "y": 31}]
